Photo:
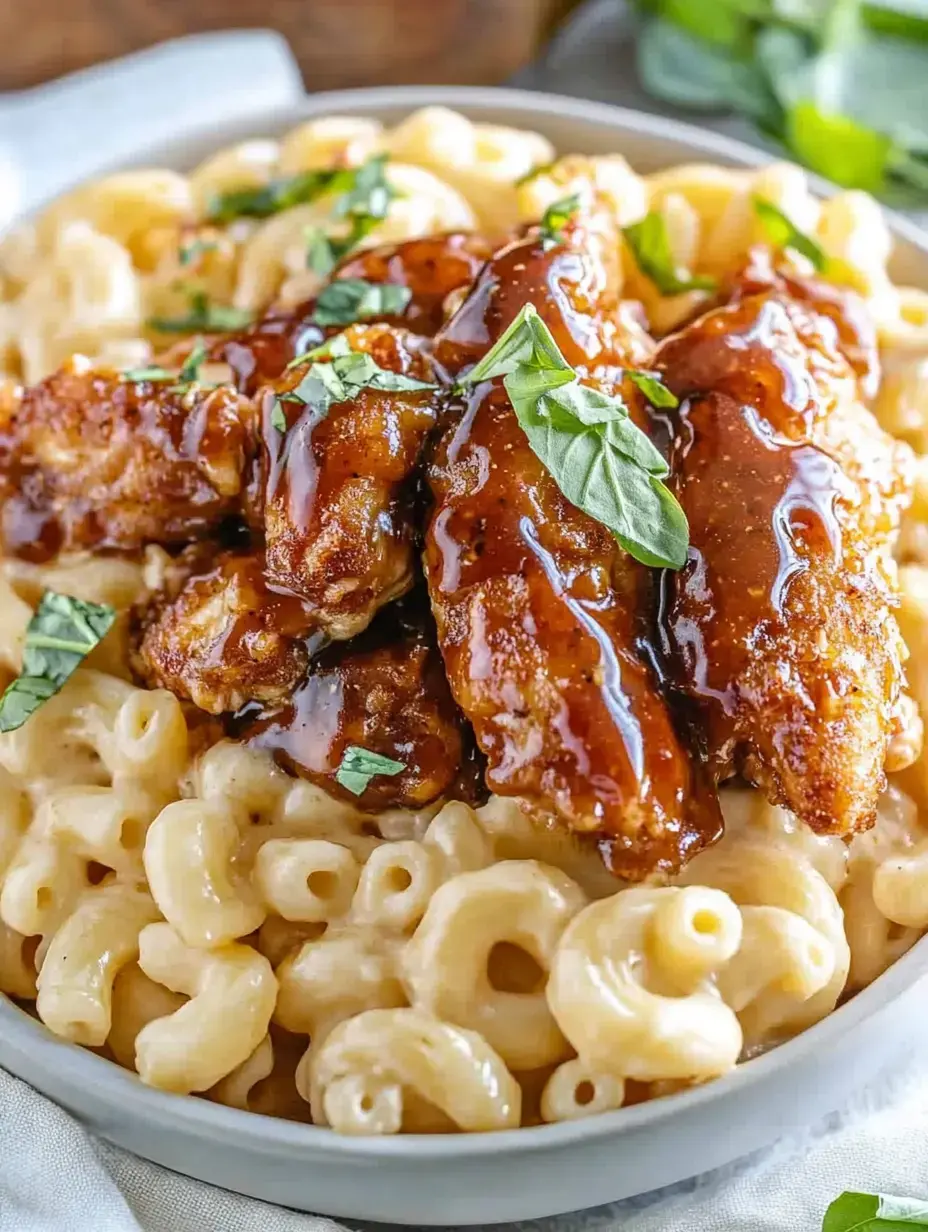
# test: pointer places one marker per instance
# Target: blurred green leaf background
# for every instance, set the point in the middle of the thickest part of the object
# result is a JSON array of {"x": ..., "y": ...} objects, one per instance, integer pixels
[{"x": 841, "y": 84}]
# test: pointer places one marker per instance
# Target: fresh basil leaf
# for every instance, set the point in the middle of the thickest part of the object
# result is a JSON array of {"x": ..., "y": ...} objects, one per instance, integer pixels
[
  {"x": 555, "y": 219},
  {"x": 203, "y": 315},
  {"x": 903, "y": 23},
  {"x": 601, "y": 461},
  {"x": 343, "y": 378},
  {"x": 838, "y": 148},
  {"x": 649, "y": 243},
  {"x": 359, "y": 766},
  {"x": 863, "y": 1212},
  {"x": 153, "y": 373},
  {"x": 190, "y": 369},
  {"x": 369, "y": 194},
  {"x": 271, "y": 198},
  {"x": 192, "y": 250},
  {"x": 278, "y": 418},
  {"x": 653, "y": 388},
  {"x": 540, "y": 169},
  {"x": 353, "y": 299},
  {"x": 61, "y": 633},
  {"x": 783, "y": 233},
  {"x": 321, "y": 255}
]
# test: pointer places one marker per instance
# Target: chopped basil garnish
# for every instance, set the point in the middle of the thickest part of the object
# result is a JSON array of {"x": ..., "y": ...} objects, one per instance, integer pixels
[
  {"x": 599, "y": 459},
  {"x": 190, "y": 369},
  {"x": 365, "y": 198},
  {"x": 340, "y": 380},
  {"x": 863, "y": 1212},
  {"x": 783, "y": 233},
  {"x": 650, "y": 246},
  {"x": 322, "y": 253},
  {"x": 153, "y": 373},
  {"x": 203, "y": 315},
  {"x": 359, "y": 766},
  {"x": 352, "y": 299},
  {"x": 61, "y": 633},
  {"x": 192, "y": 250},
  {"x": 540, "y": 169},
  {"x": 653, "y": 388},
  {"x": 555, "y": 219}
]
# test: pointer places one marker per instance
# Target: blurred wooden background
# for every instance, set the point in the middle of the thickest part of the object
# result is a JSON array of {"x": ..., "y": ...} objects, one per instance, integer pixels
[{"x": 338, "y": 42}]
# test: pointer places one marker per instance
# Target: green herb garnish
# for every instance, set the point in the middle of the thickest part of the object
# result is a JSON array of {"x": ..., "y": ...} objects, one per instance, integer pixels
[
  {"x": 353, "y": 299},
  {"x": 359, "y": 766},
  {"x": 600, "y": 460},
  {"x": 322, "y": 253},
  {"x": 540, "y": 169},
  {"x": 60, "y": 635},
  {"x": 341, "y": 379},
  {"x": 190, "y": 369},
  {"x": 653, "y": 388},
  {"x": 862, "y": 1212},
  {"x": 555, "y": 219},
  {"x": 203, "y": 315},
  {"x": 191, "y": 250},
  {"x": 650, "y": 246},
  {"x": 271, "y": 198},
  {"x": 153, "y": 373},
  {"x": 783, "y": 233}
]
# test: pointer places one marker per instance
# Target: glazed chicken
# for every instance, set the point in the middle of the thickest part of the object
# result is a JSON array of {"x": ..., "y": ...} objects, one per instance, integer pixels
[
  {"x": 386, "y": 692},
  {"x": 91, "y": 461},
  {"x": 779, "y": 631},
  {"x": 430, "y": 268},
  {"x": 335, "y": 495},
  {"x": 538, "y": 609}
]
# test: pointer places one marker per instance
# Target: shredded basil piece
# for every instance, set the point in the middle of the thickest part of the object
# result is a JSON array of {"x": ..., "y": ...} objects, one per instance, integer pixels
[
  {"x": 203, "y": 315},
  {"x": 783, "y": 233},
  {"x": 600, "y": 460},
  {"x": 555, "y": 219},
  {"x": 60, "y": 635},
  {"x": 353, "y": 299},
  {"x": 359, "y": 766},
  {"x": 271, "y": 198},
  {"x": 650, "y": 246},
  {"x": 154, "y": 373},
  {"x": 192, "y": 250},
  {"x": 540, "y": 169},
  {"x": 278, "y": 419},
  {"x": 653, "y": 388}
]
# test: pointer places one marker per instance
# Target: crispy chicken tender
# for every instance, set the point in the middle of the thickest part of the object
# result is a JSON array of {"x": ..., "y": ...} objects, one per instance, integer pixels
[
  {"x": 337, "y": 489},
  {"x": 386, "y": 692},
  {"x": 220, "y": 637},
  {"x": 779, "y": 631},
  {"x": 92, "y": 461},
  {"x": 537, "y": 607}
]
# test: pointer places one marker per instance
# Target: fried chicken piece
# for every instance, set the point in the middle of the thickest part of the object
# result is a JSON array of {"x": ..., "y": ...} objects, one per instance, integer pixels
[
  {"x": 92, "y": 461},
  {"x": 537, "y": 607},
  {"x": 337, "y": 489},
  {"x": 218, "y": 636},
  {"x": 431, "y": 268},
  {"x": 385, "y": 692},
  {"x": 779, "y": 630}
]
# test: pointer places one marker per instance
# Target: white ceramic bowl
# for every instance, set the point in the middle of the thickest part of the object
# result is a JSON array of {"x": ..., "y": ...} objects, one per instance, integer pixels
[{"x": 524, "y": 1173}]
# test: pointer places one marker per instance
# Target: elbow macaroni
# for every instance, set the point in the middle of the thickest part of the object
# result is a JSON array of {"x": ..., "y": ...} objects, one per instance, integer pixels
[{"x": 219, "y": 927}]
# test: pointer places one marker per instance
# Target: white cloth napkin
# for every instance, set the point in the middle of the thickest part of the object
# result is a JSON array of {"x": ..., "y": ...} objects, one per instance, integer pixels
[{"x": 56, "y": 1177}]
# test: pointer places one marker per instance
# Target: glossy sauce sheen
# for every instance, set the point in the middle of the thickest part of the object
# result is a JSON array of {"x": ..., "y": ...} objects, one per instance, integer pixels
[
  {"x": 337, "y": 492},
  {"x": 537, "y": 608},
  {"x": 386, "y": 692},
  {"x": 779, "y": 629},
  {"x": 430, "y": 268},
  {"x": 89, "y": 461}
]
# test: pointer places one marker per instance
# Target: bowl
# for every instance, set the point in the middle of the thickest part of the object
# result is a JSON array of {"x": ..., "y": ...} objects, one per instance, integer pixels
[{"x": 524, "y": 1173}]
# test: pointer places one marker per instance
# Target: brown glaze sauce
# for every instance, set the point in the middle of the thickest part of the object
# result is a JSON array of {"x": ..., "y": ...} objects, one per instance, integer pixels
[
  {"x": 769, "y": 628},
  {"x": 538, "y": 609}
]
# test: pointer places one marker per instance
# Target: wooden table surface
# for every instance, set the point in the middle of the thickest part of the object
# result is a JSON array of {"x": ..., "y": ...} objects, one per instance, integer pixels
[{"x": 338, "y": 42}]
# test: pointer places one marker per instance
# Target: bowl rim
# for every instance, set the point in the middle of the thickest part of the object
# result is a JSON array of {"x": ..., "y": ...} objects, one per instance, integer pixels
[{"x": 265, "y": 1134}]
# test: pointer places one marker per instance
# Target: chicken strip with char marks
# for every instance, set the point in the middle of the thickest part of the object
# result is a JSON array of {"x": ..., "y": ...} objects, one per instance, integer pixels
[
  {"x": 779, "y": 631},
  {"x": 537, "y": 606}
]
